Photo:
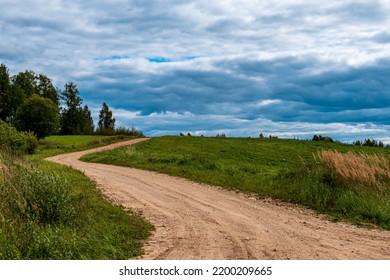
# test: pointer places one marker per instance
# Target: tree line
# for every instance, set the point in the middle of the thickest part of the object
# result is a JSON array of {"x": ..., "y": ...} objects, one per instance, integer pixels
[
  {"x": 365, "y": 143},
  {"x": 30, "y": 102}
]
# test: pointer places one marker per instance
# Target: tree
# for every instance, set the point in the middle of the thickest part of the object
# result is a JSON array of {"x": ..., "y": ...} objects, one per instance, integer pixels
[
  {"x": 88, "y": 126},
  {"x": 72, "y": 115},
  {"x": 39, "y": 115},
  {"x": 23, "y": 86},
  {"x": 45, "y": 88},
  {"x": 322, "y": 138},
  {"x": 369, "y": 143},
  {"x": 261, "y": 136},
  {"x": 357, "y": 143},
  {"x": 25, "y": 82},
  {"x": 106, "y": 121},
  {"x": 5, "y": 88}
]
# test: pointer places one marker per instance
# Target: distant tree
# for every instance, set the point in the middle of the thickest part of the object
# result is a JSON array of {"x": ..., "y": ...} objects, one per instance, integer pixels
[
  {"x": 106, "y": 121},
  {"x": 38, "y": 115},
  {"x": 322, "y": 138},
  {"x": 357, "y": 143},
  {"x": 72, "y": 115},
  {"x": 221, "y": 135},
  {"x": 369, "y": 143},
  {"x": 261, "y": 136}
]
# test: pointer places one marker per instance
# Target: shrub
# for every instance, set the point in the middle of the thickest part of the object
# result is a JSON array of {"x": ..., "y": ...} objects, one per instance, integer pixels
[
  {"x": 128, "y": 132},
  {"x": 38, "y": 114},
  {"x": 24, "y": 142},
  {"x": 30, "y": 142}
]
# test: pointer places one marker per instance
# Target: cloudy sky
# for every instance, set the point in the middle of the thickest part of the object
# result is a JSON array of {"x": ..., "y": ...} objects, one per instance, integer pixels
[{"x": 241, "y": 67}]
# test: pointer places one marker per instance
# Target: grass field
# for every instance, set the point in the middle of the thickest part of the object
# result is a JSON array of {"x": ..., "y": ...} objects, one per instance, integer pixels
[
  {"x": 290, "y": 170},
  {"x": 54, "y": 145},
  {"x": 49, "y": 211}
]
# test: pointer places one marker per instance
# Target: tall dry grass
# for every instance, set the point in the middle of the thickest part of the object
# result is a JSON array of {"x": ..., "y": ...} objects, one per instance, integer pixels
[{"x": 371, "y": 172}]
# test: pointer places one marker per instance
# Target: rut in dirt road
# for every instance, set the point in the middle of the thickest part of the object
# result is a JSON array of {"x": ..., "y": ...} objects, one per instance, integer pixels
[{"x": 196, "y": 221}]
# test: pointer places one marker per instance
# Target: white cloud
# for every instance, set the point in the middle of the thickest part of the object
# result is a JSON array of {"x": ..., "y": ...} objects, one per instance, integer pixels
[{"x": 267, "y": 102}]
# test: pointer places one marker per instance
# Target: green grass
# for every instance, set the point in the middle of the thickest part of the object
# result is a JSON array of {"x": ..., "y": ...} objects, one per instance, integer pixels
[
  {"x": 72, "y": 140},
  {"x": 283, "y": 169},
  {"x": 49, "y": 211},
  {"x": 54, "y": 145}
]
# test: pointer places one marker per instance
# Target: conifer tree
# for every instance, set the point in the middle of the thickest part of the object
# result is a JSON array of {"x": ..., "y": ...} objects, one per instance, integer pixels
[{"x": 106, "y": 121}]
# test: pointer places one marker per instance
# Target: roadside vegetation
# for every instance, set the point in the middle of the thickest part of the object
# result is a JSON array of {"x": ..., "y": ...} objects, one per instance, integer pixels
[
  {"x": 348, "y": 182},
  {"x": 49, "y": 211}
]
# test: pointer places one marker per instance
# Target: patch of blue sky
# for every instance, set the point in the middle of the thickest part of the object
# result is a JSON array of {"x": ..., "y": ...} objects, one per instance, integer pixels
[
  {"x": 118, "y": 57},
  {"x": 160, "y": 59}
]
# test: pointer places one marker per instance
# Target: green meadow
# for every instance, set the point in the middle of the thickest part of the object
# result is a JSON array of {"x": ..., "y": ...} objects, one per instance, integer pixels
[
  {"x": 295, "y": 171},
  {"x": 56, "y": 144}
]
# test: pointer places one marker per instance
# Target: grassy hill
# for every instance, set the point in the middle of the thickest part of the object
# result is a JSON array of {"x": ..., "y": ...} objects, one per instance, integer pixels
[{"x": 304, "y": 172}]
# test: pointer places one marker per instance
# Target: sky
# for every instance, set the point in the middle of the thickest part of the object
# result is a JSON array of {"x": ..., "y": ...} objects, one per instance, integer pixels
[{"x": 239, "y": 67}]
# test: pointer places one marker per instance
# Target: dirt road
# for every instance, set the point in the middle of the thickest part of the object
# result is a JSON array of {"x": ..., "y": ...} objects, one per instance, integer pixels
[{"x": 195, "y": 221}]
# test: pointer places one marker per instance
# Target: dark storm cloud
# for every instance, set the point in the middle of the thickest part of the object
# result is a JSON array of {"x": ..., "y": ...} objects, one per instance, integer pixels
[{"x": 303, "y": 87}]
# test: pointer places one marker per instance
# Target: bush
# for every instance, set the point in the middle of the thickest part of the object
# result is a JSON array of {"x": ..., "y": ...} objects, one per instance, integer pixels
[
  {"x": 24, "y": 142},
  {"x": 30, "y": 142},
  {"x": 129, "y": 132},
  {"x": 132, "y": 132},
  {"x": 38, "y": 114}
]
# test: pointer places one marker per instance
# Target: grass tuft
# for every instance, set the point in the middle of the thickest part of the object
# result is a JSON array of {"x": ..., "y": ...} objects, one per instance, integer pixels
[{"x": 370, "y": 172}]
